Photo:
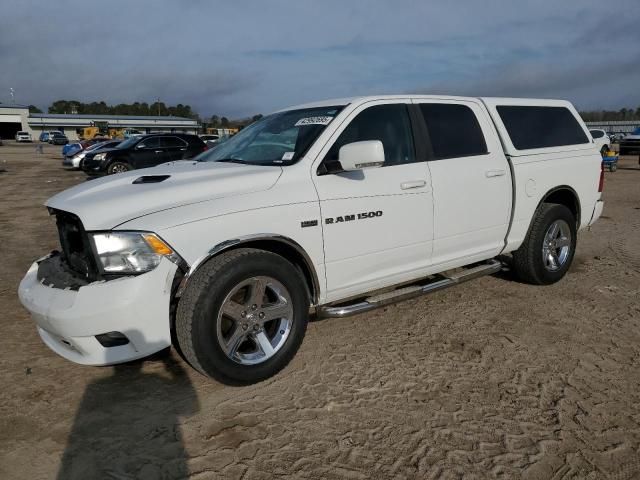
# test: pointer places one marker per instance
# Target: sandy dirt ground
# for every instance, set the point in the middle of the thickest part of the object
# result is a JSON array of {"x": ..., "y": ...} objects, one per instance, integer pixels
[{"x": 491, "y": 379}]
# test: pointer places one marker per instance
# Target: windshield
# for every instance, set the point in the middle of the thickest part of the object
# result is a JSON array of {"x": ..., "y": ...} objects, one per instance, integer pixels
[
  {"x": 279, "y": 139},
  {"x": 129, "y": 142},
  {"x": 95, "y": 146}
]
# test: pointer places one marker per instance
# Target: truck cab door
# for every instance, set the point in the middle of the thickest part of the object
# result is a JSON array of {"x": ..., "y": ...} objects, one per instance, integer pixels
[
  {"x": 471, "y": 181},
  {"x": 376, "y": 222}
]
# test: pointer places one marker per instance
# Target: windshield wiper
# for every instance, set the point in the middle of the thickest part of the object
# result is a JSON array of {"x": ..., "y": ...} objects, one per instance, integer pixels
[{"x": 233, "y": 160}]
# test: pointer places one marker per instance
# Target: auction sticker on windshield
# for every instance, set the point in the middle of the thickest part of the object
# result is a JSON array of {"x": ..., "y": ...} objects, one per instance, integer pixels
[{"x": 314, "y": 121}]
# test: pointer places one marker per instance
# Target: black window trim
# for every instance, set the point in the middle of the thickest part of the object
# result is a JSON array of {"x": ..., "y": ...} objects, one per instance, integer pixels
[
  {"x": 431, "y": 157},
  {"x": 420, "y": 151}
]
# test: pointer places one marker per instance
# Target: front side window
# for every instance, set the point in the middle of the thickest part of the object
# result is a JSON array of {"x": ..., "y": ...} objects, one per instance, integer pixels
[
  {"x": 388, "y": 123},
  {"x": 454, "y": 130},
  {"x": 278, "y": 139},
  {"x": 129, "y": 142},
  {"x": 597, "y": 133},
  {"x": 151, "y": 142}
]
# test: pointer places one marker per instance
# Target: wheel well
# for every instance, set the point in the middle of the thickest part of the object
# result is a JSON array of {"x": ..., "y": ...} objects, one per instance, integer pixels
[
  {"x": 281, "y": 246},
  {"x": 293, "y": 255},
  {"x": 565, "y": 196}
]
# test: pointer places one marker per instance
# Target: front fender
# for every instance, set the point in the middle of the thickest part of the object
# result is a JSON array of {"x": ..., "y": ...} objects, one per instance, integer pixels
[{"x": 268, "y": 241}]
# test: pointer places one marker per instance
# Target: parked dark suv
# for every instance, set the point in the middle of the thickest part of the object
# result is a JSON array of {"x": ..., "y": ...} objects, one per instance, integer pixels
[
  {"x": 58, "y": 138},
  {"x": 143, "y": 151}
]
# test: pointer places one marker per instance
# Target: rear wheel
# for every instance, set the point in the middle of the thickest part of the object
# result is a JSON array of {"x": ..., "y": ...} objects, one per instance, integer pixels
[
  {"x": 547, "y": 251},
  {"x": 604, "y": 150},
  {"x": 118, "y": 167},
  {"x": 243, "y": 316}
]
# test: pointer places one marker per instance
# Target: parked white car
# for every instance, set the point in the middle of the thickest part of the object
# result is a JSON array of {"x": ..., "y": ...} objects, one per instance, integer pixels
[
  {"x": 340, "y": 206},
  {"x": 23, "y": 136},
  {"x": 601, "y": 139},
  {"x": 75, "y": 161}
]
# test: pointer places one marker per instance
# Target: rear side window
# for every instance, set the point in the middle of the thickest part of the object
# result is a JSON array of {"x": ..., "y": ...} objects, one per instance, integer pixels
[
  {"x": 388, "y": 123},
  {"x": 541, "y": 127},
  {"x": 597, "y": 133},
  {"x": 173, "y": 142},
  {"x": 454, "y": 130}
]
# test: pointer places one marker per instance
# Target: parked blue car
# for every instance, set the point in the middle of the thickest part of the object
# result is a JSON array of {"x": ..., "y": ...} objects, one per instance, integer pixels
[{"x": 71, "y": 149}]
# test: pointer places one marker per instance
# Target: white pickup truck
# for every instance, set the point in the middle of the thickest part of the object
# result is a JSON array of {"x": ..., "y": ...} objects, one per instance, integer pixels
[{"x": 335, "y": 207}]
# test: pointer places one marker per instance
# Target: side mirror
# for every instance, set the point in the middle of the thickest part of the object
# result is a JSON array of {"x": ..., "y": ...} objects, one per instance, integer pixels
[{"x": 361, "y": 155}]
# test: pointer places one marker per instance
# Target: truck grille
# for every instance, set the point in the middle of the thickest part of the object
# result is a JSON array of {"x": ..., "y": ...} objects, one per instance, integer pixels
[{"x": 77, "y": 252}]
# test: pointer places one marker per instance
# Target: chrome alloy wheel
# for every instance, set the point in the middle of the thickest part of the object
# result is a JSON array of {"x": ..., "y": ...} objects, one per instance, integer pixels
[
  {"x": 556, "y": 245},
  {"x": 255, "y": 320},
  {"x": 119, "y": 169}
]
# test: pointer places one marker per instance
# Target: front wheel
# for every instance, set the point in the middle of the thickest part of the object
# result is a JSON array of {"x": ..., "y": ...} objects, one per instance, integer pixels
[
  {"x": 118, "y": 167},
  {"x": 548, "y": 249},
  {"x": 242, "y": 316}
]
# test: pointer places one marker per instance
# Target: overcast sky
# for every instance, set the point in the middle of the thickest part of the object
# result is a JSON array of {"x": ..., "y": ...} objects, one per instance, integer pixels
[{"x": 241, "y": 57}]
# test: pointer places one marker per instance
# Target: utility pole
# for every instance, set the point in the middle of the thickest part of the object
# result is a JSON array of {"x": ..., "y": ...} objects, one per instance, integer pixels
[
  {"x": 158, "y": 106},
  {"x": 13, "y": 95}
]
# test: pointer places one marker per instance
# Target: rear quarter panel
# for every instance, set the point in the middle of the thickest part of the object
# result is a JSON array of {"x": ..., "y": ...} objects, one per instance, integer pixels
[{"x": 535, "y": 176}]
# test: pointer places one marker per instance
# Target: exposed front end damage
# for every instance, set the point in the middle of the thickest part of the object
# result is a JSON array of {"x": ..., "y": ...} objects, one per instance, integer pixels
[
  {"x": 92, "y": 318},
  {"x": 102, "y": 322}
]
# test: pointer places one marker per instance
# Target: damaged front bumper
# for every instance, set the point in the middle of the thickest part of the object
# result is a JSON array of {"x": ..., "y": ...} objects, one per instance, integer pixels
[{"x": 74, "y": 317}]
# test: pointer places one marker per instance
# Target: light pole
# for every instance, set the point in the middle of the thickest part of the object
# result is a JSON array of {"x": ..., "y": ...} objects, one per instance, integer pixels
[{"x": 13, "y": 95}]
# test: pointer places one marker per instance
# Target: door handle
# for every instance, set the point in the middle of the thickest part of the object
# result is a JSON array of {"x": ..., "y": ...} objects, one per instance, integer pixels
[
  {"x": 495, "y": 173},
  {"x": 158, "y": 151},
  {"x": 413, "y": 184}
]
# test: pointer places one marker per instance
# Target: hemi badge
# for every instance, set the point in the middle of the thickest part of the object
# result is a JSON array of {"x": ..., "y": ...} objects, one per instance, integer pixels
[{"x": 309, "y": 223}]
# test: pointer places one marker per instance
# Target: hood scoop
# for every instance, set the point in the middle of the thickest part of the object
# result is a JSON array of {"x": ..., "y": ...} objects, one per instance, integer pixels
[{"x": 150, "y": 179}]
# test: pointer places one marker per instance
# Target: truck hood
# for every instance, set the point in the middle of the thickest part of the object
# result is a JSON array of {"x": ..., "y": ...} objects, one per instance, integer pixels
[{"x": 107, "y": 202}]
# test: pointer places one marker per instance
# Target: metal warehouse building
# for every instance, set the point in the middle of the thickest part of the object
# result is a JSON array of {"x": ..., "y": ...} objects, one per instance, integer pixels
[{"x": 14, "y": 118}]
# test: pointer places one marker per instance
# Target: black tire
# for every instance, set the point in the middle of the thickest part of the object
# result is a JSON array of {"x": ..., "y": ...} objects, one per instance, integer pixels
[
  {"x": 118, "y": 167},
  {"x": 198, "y": 308},
  {"x": 604, "y": 150},
  {"x": 528, "y": 259}
]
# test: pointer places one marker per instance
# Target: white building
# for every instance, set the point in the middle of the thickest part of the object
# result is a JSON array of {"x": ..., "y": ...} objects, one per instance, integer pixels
[{"x": 14, "y": 118}]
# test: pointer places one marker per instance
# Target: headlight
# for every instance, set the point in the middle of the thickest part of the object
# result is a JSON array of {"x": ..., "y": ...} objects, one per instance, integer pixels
[
  {"x": 100, "y": 156},
  {"x": 131, "y": 252}
]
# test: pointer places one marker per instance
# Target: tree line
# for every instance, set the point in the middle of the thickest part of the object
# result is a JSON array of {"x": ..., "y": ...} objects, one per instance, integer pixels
[
  {"x": 143, "y": 109},
  {"x": 136, "y": 108},
  {"x": 223, "y": 122},
  {"x": 611, "y": 115}
]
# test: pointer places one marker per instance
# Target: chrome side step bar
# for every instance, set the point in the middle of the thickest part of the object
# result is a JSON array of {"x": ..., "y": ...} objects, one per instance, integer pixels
[{"x": 441, "y": 281}]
